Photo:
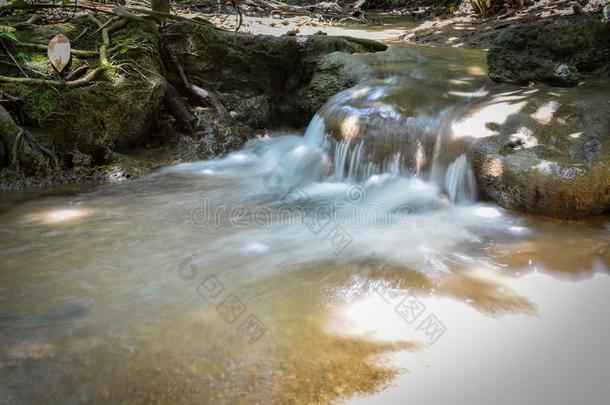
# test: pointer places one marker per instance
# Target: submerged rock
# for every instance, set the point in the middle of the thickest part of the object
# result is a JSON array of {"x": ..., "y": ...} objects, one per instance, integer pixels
[
  {"x": 551, "y": 157},
  {"x": 557, "y": 52}
]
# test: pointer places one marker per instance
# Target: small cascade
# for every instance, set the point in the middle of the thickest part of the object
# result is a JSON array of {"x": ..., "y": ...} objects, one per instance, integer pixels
[
  {"x": 355, "y": 163},
  {"x": 316, "y": 131},
  {"x": 393, "y": 166},
  {"x": 341, "y": 154},
  {"x": 460, "y": 181},
  {"x": 420, "y": 159},
  {"x": 422, "y": 146},
  {"x": 351, "y": 164}
]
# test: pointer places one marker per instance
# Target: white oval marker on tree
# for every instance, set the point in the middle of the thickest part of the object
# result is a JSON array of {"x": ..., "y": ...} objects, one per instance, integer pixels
[{"x": 59, "y": 52}]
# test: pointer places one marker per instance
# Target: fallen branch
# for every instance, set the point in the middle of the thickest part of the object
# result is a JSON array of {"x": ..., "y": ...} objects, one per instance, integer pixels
[{"x": 104, "y": 25}]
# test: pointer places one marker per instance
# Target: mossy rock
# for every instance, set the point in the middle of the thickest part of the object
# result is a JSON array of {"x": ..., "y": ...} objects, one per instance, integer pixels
[
  {"x": 552, "y": 157},
  {"x": 559, "y": 53},
  {"x": 278, "y": 71},
  {"x": 114, "y": 111}
]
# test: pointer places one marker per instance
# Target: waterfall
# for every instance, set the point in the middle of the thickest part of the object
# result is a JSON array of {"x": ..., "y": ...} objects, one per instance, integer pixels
[
  {"x": 420, "y": 158},
  {"x": 460, "y": 181},
  {"x": 394, "y": 165},
  {"x": 356, "y": 162},
  {"x": 316, "y": 131},
  {"x": 352, "y": 164},
  {"x": 341, "y": 154}
]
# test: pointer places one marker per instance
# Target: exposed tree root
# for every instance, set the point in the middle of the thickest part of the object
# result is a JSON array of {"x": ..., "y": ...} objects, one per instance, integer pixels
[
  {"x": 30, "y": 21},
  {"x": 106, "y": 38},
  {"x": 17, "y": 144},
  {"x": 74, "y": 83},
  {"x": 77, "y": 52},
  {"x": 13, "y": 58},
  {"x": 178, "y": 109},
  {"x": 207, "y": 97}
]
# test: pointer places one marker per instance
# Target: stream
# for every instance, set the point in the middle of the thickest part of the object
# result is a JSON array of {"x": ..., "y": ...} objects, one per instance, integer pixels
[{"x": 307, "y": 269}]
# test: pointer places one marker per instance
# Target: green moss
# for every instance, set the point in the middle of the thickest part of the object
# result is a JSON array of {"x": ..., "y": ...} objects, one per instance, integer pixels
[
  {"x": 41, "y": 103},
  {"x": 114, "y": 111}
]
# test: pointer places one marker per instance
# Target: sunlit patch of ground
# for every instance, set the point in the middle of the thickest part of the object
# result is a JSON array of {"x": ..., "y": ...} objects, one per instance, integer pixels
[{"x": 380, "y": 28}]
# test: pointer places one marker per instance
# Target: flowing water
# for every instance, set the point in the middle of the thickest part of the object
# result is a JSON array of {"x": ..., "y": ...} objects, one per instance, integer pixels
[{"x": 305, "y": 269}]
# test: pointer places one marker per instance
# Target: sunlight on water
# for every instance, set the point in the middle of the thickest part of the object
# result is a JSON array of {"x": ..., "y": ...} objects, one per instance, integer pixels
[
  {"x": 58, "y": 216},
  {"x": 511, "y": 355}
]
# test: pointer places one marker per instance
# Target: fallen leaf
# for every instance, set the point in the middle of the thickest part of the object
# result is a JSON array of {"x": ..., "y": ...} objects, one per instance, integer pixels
[{"x": 59, "y": 52}]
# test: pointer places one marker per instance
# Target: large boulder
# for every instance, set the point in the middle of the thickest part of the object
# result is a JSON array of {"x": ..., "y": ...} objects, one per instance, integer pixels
[
  {"x": 552, "y": 156},
  {"x": 262, "y": 80},
  {"x": 559, "y": 52}
]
